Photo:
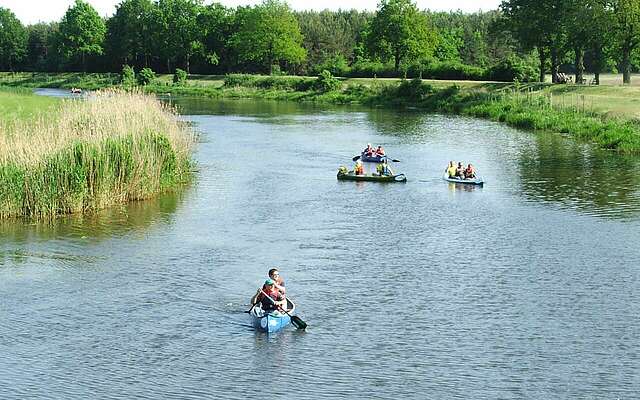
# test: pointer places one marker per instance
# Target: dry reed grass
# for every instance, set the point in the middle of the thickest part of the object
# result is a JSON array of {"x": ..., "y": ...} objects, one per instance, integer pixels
[{"x": 113, "y": 148}]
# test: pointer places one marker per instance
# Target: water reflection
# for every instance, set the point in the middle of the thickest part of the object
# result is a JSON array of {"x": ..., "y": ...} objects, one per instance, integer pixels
[
  {"x": 580, "y": 177},
  {"x": 21, "y": 236}
]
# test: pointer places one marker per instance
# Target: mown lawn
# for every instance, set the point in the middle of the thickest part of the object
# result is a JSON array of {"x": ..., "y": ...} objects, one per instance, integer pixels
[{"x": 16, "y": 105}]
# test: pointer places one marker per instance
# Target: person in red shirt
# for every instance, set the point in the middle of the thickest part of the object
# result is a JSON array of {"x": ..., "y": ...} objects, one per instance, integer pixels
[
  {"x": 274, "y": 300},
  {"x": 380, "y": 151}
]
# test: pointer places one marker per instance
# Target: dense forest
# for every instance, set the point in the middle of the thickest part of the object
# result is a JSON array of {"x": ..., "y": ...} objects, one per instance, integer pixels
[{"x": 522, "y": 40}]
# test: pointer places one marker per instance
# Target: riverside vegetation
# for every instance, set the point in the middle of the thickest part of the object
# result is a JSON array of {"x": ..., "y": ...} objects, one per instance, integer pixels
[
  {"x": 602, "y": 114},
  {"x": 86, "y": 155}
]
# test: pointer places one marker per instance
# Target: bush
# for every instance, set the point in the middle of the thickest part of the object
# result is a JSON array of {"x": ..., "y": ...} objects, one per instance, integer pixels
[
  {"x": 513, "y": 69},
  {"x": 180, "y": 77},
  {"x": 454, "y": 71},
  {"x": 335, "y": 64},
  {"x": 128, "y": 76},
  {"x": 268, "y": 82},
  {"x": 146, "y": 76},
  {"x": 370, "y": 69},
  {"x": 326, "y": 82},
  {"x": 414, "y": 89}
]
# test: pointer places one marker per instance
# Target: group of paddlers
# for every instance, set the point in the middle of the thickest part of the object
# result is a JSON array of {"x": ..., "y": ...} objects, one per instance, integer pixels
[
  {"x": 460, "y": 172},
  {"x": 271, "y": 296},
  {"x": 369, "y": 151}
]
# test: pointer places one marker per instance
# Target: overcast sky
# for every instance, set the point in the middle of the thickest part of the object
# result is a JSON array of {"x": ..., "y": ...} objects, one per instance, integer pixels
[{"x": 32, "y": 11}]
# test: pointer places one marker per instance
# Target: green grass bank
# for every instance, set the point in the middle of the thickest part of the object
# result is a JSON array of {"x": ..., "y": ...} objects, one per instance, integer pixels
[
  {"x": 114, "y": 148},
  {"x": 607, "y": 115}
]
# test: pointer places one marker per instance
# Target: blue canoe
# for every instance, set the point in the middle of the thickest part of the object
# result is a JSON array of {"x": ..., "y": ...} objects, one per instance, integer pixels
[
  {"x": 375, "y": 159},
  {"x": 477, "y": 181},
  {"x": 273, "y": 321}
]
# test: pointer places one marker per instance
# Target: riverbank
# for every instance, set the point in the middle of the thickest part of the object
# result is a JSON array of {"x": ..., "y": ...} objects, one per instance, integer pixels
[
  {"x": 115, "y": 148},
  {"x": 606, "y": 115}
]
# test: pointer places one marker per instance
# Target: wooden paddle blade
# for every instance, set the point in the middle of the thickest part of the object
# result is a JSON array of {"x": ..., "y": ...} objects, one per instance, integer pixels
[
  {"x": 298, "y": 323},
  {"x": 356, "y": 158}
]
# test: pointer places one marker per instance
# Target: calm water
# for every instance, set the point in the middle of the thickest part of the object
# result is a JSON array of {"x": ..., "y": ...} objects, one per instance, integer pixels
[{"x": 526, "y": 288}]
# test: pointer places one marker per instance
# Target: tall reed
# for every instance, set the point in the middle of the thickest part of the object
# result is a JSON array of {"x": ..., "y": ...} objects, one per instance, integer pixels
[{"x": 113, "y": 148}]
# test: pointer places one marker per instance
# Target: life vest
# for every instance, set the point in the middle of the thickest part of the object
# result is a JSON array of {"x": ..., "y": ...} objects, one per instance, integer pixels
[{"x": 359, "y": 170}]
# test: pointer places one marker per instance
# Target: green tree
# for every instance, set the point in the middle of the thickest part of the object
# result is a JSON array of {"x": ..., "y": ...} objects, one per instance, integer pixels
[
  {"x": 215, "y": 23},
  {"x": 129, "y": 33},
  {"x": 399, "y": 31},
  {"x": 82, "y": 33},
  {"x": 178, "y": 33},
  {"x": 13, "y": 40},
  {"x": 266, "y": 34},
  {"x": 626, "y": 32},
  {"x": 540, "y": 25},
  {"x": 41, "y": 50}
]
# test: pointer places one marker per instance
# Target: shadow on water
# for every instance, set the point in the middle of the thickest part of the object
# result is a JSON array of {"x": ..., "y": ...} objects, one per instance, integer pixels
[{"x": 580, "y": 177}]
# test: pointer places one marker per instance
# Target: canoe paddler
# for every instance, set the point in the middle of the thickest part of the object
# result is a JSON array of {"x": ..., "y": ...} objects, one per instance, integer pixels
[
  {"x": 275, "y": 297},
  {"x": 383, "y": 168}
]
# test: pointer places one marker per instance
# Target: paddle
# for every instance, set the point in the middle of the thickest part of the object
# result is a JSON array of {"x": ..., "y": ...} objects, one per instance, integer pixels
[{"x": 295, "y": 320}]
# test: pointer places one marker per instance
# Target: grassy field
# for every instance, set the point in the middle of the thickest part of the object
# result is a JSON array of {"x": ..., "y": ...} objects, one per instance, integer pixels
[
  {"x": 116, "y": 148},
  {"x": 20, "y": 104}
]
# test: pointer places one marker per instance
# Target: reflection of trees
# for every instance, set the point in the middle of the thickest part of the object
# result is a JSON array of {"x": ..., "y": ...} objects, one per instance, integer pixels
[
  {"x": 397, "y": 122},
  {"x": 103, "y": 224},
  {"x": 581, "y": 177},
  {"x": 244, "y": 107}
]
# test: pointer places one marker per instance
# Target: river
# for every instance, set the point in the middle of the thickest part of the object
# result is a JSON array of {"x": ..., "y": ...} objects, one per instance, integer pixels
[{"x": 527, "y": 287}]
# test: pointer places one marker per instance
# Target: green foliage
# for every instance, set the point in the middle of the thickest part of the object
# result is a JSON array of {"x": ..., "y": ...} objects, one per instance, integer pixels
[
  {"x": 401, "y": 32},
  {"x": 129, "y": 37},
  {"x": 326, "y": 82},
  {"x": 268, "y": 82},
  {"x": 414, "y": 89},
  {"x": 180, "y": 77},
  {"x": 146, "y": 76},
  {"x": 177, "y": 34},
  {"x": 82, "y": 32},
  {"x": 128, "y": 76},
  {"x": 336, "y": 65},
  {"x": 13, "y": 40},
  {"x": 267, "y": 34},
  {"x": 512, "y": 69},
  {"x": 453, "y": 71}
]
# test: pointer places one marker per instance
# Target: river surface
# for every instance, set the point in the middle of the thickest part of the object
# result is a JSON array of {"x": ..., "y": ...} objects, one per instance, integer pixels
[{"x": 526, "y": 288}]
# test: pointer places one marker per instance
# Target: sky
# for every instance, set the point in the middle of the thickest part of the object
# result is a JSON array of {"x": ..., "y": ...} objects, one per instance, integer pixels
[{"x": 32, "y": 11}]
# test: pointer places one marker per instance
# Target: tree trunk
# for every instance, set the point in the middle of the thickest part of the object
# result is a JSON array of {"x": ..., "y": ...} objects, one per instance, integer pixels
[
  {"x": 168, "y": 65},
  {"x": 579, "y": 65},
  {"x": 543, "y": 61},
  {"x": 626, "y": 65},
  {"x": 555, "y": 65},
  {"x": 596, "y": 77},
  {"x": 187, "y": 63},
  {"x": 84, "y": 62},
  {"x": 397, "y": 62}
]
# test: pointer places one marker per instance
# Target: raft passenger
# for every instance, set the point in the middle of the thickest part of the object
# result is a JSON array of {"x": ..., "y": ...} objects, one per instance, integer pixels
[
  {"x": 470, "y": 172},
  {"x": 451, "y": 170},
  {"x": 380, "y": 151},
  {"x": 359, "y": 168}
]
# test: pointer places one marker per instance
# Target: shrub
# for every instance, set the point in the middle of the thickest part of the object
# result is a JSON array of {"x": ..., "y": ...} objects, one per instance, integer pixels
[
  {"x": 335, "y": 64},
  {"x": 326, "y": 82},
  {"x": 180, "y": 77},
  {"x": 146, "y": 76},
  {"x": 454, "y": 71},
  {"x": 414, "y": 89},
  {"x": 128, "y": 76},
  {"x": 513, "y": 69}
]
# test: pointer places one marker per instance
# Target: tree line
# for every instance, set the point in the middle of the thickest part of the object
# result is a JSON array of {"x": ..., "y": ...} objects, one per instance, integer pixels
[{"x": 398, "y": 39}]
